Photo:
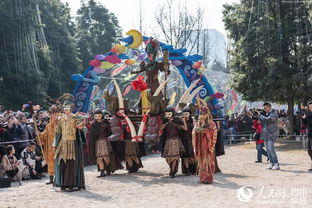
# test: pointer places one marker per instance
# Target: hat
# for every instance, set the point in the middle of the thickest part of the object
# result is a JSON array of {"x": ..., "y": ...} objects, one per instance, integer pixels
[
  {"x": 66, "y": 99},
  {"x": 152, "y": 46},
  {"x": 97, "y": 111}
]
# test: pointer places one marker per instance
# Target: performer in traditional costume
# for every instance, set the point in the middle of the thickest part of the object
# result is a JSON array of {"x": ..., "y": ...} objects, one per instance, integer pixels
[
  {"x": 188, "y": 161},
  {"x": 172, "y": 147},
  {"x": 219, "y": 147},
  {"x": 100, "y": 131},
  {"x": 133, "y": 152},
  {"x": 204, "y": 140},
  {"x": 69, "y": 173},
  {"x": 47, "y": 139},
  {"x": 152, "y": 67}
]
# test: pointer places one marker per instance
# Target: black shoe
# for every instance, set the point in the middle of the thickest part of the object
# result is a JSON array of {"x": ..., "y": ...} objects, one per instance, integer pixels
[
  {"x": 217, "y": 170},
  {"x": 310, "y": 170},
  {"x": 70, "y": 189},
  {"x": 188, "y": 172},
  {"x": 51, "y": 181},
  {"x": 268, "y": 159},
  {"x": 258, "y": 161},
  {"x": 102, "y": 174},
  {"x": 63, "y": 188},
  {"x": 172, "y": 175},
  {"x": 108, "y": 173}
]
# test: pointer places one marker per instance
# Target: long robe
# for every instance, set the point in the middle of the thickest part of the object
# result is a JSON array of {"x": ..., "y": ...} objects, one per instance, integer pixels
[
  {"x": 204, "y": 140},
  {"x": 69, "y": 172},
  {"x": 188, "y": 160},
  {"x": 47, "y": 139},
  {"x": 104, "y": 154},
  {"x": 171, "y": 144},
  {"x": 132, "y": 153}
]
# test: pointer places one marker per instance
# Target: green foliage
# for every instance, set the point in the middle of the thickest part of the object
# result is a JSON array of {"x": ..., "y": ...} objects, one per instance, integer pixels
[
  {"x": 97, "y": 30},
  {"x": 40, "y": 47},
  {"x": 271, "y": 49}
]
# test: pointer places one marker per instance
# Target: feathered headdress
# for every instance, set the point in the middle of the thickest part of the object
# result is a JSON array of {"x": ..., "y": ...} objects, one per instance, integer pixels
[
  {"x": 66, "y": 99},
  {"x": 152, "y": 46}
]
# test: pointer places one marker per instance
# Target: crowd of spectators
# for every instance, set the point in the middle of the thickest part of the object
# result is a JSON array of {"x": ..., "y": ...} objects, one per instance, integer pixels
[{"x": 19, "y": 152}]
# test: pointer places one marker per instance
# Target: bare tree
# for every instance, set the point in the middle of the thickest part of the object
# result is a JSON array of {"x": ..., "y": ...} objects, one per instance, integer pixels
[{"x": 178, "y": 26}]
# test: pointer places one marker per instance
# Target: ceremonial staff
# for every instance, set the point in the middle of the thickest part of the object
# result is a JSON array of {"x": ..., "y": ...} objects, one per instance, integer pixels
[{"x": 166, "y": 68}]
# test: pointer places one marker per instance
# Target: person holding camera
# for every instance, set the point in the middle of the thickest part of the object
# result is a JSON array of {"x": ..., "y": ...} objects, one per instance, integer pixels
[
  {"x": 269, "y": 119},
  {"x": 13, "y": 130},
  {"x": 307, "y": 119}
]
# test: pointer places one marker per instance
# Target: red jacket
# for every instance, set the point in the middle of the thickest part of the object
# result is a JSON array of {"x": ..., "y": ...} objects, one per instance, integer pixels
[{"x": 257, "y": 126}]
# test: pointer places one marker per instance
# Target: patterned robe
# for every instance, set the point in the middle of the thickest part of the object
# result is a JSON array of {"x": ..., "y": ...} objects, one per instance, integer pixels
[
  {"x": 47, "y": 138},
  {"x": 68, "y": 156},
  {"x": 204, "y": 140}
]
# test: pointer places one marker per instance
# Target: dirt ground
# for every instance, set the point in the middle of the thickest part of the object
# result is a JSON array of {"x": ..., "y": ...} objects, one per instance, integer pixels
[{"x": 242, "y": 183}]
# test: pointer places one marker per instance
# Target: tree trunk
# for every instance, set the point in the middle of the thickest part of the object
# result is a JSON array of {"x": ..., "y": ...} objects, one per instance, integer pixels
[{"x": 290, "y": 113}]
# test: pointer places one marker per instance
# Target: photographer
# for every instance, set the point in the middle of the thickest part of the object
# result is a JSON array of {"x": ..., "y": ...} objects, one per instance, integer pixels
[
  {"x": 13, "y": 130},
  {"x": 307, "y": 119},
  {"x": 269, "y": 119}
]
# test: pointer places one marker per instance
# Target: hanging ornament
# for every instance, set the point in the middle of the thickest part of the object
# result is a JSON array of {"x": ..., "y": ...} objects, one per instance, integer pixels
[
  {"x": 197, "y": 65},
  {"x": 95, "y": 63},
  {"x": 113, "y": 59},
  {"x": 176, "y": 63},
  {"x": 100, "y": 57},
  {"x": 106, "y": 65},
  {"x": 130, "y": 62}
]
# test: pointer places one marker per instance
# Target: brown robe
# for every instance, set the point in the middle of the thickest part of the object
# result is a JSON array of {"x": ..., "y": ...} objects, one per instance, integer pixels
[
  {"x": 47, "y": 139},
  {"x": 105, "y": 157},
  {"x": 172, "y": 147}
]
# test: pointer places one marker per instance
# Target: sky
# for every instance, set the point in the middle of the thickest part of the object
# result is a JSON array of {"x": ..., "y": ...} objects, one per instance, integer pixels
[{"x": 128, "y": 12}]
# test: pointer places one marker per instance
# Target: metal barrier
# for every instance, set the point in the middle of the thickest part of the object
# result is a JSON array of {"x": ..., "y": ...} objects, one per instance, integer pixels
[
  {"x": 240, "y": 138},
  {"x": 19, "y": 141}
]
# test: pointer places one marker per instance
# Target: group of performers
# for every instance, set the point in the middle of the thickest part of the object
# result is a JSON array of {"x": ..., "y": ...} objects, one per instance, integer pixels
[{"x": 113, "y": 137}]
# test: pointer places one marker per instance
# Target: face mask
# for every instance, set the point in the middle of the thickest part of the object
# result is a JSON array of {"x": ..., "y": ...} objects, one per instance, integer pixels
[
  {"x": 186, "y": 114},
  {"x": 168, "y": 115},
  {"x": 66, "y": 109},
  {"x": 98, "y": 116}
]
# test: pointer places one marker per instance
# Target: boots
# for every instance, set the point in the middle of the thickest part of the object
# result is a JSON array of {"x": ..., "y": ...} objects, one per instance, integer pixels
[
  {"x": 70, "y": 189},
  {"x": 102, "y": 174},
  {"x": 188, "y": 172},
  {"x": 172, "y": 174},
  {"x": 108, "y": 172},
  {"x": 51, "y": 181},
  {"x": 217, "y": 169}
]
